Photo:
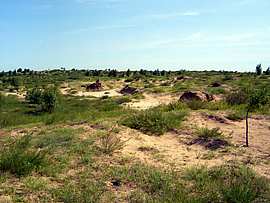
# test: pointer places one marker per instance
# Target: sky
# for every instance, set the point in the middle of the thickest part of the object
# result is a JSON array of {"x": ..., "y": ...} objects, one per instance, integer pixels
[{"x": 231, "y": 35}]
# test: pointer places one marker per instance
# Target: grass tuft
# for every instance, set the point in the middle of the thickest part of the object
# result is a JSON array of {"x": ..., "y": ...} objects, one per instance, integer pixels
[
  {"x": 20, "y": 159},
  {"x": 154, "y": 121}
]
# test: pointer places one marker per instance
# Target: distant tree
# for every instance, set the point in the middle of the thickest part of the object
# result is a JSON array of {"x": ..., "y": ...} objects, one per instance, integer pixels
[
  {"x": 267, "y": 72},
  {"x": 15, "y": 82},
  {"x": 96, "y": 72},
  {"x": 34, "y": 96},
  {"x": 113, "y": 73},
  {"x": 156, "y": 72},
  {"x": 259, "y": 69},
  {"x": 128, "y": 73},
  {"x": 136, "y": 74},
  {"x": 143, "y": 72},
  {"x": 50, "y": 99},
  {"x": 163, "y": 73},
  {"x": 19, "y": 70}
]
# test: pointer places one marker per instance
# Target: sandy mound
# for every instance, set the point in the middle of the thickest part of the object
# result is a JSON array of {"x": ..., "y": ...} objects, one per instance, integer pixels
[
  {"x": 129, "y": 90},
  {"x": 198, "y": 95},
  {"x": 96, "y": 86}
]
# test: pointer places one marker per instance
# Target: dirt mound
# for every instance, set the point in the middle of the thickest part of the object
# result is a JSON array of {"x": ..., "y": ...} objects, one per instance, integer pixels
[
  {"x": 198, "y": 95},
  {"x": 129, "y": 90},
  {"x": 216, "y": 84},
  {"x": 96, "y": 86}
]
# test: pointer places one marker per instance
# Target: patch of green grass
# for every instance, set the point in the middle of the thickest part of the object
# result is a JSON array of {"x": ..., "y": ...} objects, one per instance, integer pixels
[
  {"x": 154, "y": 121},
  {"x": 158, "y": 90},
  {"x": 206, "y": 133},
  {"x": 219, "y": 90},
  {"x": 237, "y": 115},
  {"x": 209, "y": 155},
  {"x": 19, "y": 158},
  {"x": 165, "y": 84},
  {"x": 110, "y": 143},
  {"x": 174, "y": 106},
  {"x": 195, "y": 104}
]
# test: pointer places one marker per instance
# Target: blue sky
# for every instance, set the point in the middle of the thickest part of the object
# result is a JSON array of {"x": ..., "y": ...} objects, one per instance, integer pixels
[{"x": 136, "y": 34}]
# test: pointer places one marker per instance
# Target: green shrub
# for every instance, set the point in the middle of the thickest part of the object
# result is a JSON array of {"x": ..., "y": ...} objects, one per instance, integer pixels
[
  {"x": 110, "y": 143},
  {"x": 20, "y": 159},
  {"x": 165, "y": 84},
  {"x": 122, "y": 100},
  {"x": 219, "y": 90},
  {"x": 206, "y": 133},
  {"x": 50, "y": 99},
  {"x": 138, "y": 95},
  {"x": 157, "y": 90},
  {"x": 129, "y": 80},
  {"x": 218, "y": 105},
  {"x": 237, "y": 98},
  {"x": 195, "y": 104},
  {"x": 237, "y": 115},
  {"x": 154, "y": 121},
  {"x": 151, "y": 85},
  {"x": 232, "y": 183},
  {"x": 34, "y": 96},
  {"x": 174, "y": 106}
]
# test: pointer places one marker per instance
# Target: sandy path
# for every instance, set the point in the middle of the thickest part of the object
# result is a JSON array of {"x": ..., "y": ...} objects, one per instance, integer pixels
[{"x": 152, "y": 100}]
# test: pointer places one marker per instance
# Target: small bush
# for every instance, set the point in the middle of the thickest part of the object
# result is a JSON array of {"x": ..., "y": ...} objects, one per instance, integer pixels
[
  {"x": 238, "y": 115},
  {"x": 154, "y": 122},
  {"x": 219, "y": 105},
  {"x": 195, "y": 104},
  {"x": 50, "y": 99},
  {"x": 157, "y": 90},
  {"x": 34, "y": 96},
  {"x": 165, "y": 84},
  {"x": 129, "y": 80},
  {"x": 138, "y": 95},
  {"x": 151, "y": 85},
  {"x": 237, "y": 98},
  {"x": 219, "y": 91},
  {"x": 111, "y": 143},
  {"x": 206, "y": 133},
  {"x": 19, "y": 159},
  {"x": 175, "y": 106}
]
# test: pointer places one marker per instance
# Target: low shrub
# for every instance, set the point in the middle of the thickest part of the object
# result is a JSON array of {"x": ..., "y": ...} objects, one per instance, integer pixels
[
  {"x": 237, "y": 98},
  {"x": 157, "y": 90},
  {"x": 20, "y": 159},
  {"x": 237, "y": 115},
  {"x": 110, "y": 143},
  {"x": 129, "y": 80},
  {"x": 195, "y": 104},
  {"x": 219, "y": 90},
  {"x": 154, "y": 121},
  {"x": 165, "y": 84},
  {"x": 206, "y": 133},
  {"x": 151, "y": 85},
  {"x": 174, "y": 106}
]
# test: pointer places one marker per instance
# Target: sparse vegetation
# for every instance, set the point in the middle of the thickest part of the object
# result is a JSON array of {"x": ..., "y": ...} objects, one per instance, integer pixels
[
  {"x": 58, "y": 147},
  {"x": 154, "y": 121},
  {"x": 19, "y": 158}
]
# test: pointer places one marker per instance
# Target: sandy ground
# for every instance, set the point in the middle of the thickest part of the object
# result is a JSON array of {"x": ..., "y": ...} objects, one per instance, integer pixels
[{"x": 183, "y": 148}]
